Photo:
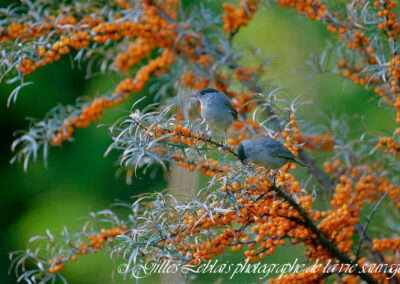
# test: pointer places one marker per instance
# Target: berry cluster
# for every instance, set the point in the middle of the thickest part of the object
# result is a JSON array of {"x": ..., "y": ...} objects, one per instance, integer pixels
[
  {"x": 96, "y": 242},
  {"x": 235, "y": 18}
]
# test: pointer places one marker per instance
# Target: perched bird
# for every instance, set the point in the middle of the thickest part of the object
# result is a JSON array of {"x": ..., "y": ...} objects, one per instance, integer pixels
[
  {"x": 216, "y": 110},
  {"x": 266, "y": 152}
]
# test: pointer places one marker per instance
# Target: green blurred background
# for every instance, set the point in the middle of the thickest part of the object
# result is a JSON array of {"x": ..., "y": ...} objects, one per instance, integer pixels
[{"x": 79, "y": 179}]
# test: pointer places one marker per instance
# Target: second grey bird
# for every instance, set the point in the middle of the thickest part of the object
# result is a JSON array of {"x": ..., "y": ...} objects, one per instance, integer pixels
[
  {"x": 266, "y": 152},
  {"x": 216, "y": 110}
]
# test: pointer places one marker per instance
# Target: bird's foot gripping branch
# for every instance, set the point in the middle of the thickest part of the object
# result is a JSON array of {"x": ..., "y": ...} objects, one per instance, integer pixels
[{"x": 171, "y": 50}]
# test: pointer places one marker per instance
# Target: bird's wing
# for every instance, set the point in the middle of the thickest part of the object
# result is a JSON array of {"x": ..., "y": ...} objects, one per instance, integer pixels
[
  {"x": 278, "y": 150},
  {"x": 229, "y": 105}
]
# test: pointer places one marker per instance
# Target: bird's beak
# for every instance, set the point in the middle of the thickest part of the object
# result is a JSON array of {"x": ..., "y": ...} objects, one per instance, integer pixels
[{"x": 195, "y": 95}]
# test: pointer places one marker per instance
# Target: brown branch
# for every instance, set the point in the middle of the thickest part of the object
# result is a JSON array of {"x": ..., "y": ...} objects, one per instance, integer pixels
[
  {"x": 367, "y": 240},
  {"x": 321, "y": 238},
  {"x": 321, "y": 178},
  {"x": 361, "y": 232},
  {"x": 199, "y": 138},
  {"x": 368, "y": 219}
]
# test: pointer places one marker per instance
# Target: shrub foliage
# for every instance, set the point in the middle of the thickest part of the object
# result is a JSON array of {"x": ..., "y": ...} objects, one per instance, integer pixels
[{"x": 173, "y": 50}]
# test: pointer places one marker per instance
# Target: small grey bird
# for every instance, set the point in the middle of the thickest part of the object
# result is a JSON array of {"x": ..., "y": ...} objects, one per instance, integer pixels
[
  {"x": 266, "y": 152},
  {"x": 216, "y": 110}
]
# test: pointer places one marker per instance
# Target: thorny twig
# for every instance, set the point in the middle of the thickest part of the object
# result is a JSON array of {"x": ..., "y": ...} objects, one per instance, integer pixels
[{"x": 368, "y": 220}]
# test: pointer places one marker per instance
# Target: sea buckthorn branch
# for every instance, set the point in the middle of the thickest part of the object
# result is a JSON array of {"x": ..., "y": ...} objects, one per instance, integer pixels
[
  {"x": 139, "y": 135},
  {"x": 278, "y": 122},
  {"x": 389, "y": 21},
  {"x": 62, "y": 121},
  {"x": 366, "y": 240},
  {"x": 240, "y": 207},
  {"x": 57, "y": 126},
  {"x": 322, "y": 179},
  {"x": 244, "y": 226},
  {"x": 348, "y": 155},
  {"x": 322, "y": 142},
  {"x": 219, "y": 246},
  {"x": 66, "y": 131},
  {"x": 370, "y": 59},
  {"x": 383, "y": 245},
  {"x": 197, "y": 46},
  {"x": 204, "y": 59},
  {"x": 247, "y": 11},
  {"x": 209, "y": 167},
  {"x": 131, "y": 237},
  {"x": 134, "y": 134},
  {"x": 215, "y": 218},
  {"x": 123, "y": 62},
  {"x": 191, "y": 225},
  {"x": 369, "y": 243},
  {"x": 235, "y": 18},
  {"x": 369, "y": 184},
  {"x": 368, "y": 220},
  {"x": 86, "y": 34},
  {"x": 319, "y": 176},
  {"x": 303, "y": 277},
  {"x": 361, "y": 182},
  {"x": 51, "y": 253},
  {"x": 390, "y": 145},
  {"x": 322, "y": 239},
  {"x": 29, "y": 20}
]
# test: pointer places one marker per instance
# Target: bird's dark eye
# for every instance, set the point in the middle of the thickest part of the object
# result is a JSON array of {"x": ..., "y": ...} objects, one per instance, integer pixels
[{"x": 203, "y": 93}]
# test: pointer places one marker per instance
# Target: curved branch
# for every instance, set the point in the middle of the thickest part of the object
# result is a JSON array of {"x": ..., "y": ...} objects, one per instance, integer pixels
[{"x": 321, "y": 238}]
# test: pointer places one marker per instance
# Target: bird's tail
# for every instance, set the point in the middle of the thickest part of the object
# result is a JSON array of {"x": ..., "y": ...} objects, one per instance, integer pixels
[{"x": 301, "y": 162}]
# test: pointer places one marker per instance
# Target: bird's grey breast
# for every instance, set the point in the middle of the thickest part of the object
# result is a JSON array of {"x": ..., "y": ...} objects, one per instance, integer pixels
[{"x": 215, "y": 112}]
